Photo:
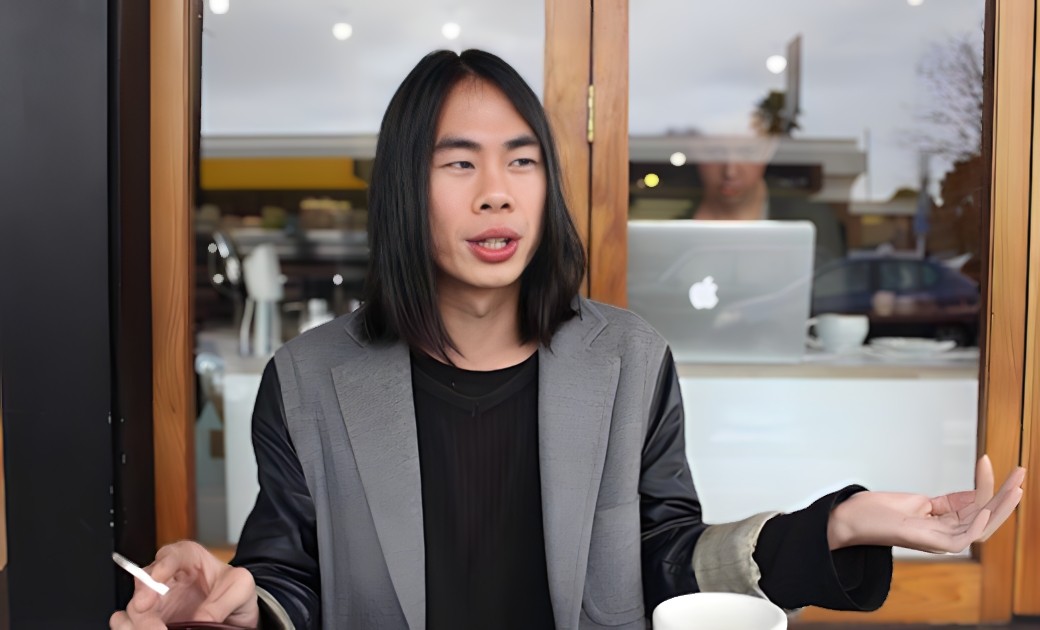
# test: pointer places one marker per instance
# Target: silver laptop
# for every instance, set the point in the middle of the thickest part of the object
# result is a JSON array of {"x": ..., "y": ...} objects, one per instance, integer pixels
[{"x": 724, "y": 291}]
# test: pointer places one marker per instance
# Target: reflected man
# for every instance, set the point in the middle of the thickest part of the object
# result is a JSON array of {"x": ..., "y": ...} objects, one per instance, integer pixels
[{"x": 732, "y": 173}]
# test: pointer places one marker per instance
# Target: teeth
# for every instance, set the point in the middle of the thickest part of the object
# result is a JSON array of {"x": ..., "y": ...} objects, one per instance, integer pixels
[{"x": 494, "y": 243}]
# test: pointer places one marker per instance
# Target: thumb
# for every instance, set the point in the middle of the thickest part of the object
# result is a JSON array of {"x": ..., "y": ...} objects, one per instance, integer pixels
[{"x": 233, "y": 590}]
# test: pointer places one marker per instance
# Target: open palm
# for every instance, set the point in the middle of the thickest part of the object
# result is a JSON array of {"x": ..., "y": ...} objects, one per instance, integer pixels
[{"x": 944, "y": 524}]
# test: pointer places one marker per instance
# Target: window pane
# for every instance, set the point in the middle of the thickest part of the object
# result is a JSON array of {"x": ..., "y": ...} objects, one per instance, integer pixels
[
  {"x": 292, "y": 99},
  {"x": 898, "y": 276},
  {"x": 775, "y": 114}
]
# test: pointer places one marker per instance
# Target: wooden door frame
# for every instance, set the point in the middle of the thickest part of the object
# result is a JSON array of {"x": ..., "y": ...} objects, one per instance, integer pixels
[
  {"x": 980, "y": 590},
  {"x": 1027, "y": 554},
  {"x": 588, "y": 108},
  {"x": 173, "y": 243}
]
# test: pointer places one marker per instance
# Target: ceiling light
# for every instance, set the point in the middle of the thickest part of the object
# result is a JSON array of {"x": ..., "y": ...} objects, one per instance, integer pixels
[
  {"x": 678, "y": 158},
  {"x": 342, "y": 30},
  {"x": 915, "y": 3},
  {"x": 651, "y": 180},
  {"x": 776, "y": 64},
  {"x": 220, "y": 7},
  {"x": 451, "y": 30}
]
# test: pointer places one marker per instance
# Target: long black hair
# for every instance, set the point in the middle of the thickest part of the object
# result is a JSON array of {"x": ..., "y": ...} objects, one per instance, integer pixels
[{"x": 400, "y": 297}]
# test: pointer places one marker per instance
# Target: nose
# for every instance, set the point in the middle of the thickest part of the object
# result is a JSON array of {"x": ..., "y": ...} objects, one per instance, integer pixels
[
  {"x": 730, "y": 169},
  {"x": 495, "y": 202},
  {"x": 494, "y": 195}
]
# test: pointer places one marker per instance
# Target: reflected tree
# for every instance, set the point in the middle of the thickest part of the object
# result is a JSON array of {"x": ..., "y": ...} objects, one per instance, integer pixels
[
  {"x": 770, "y": 117},
  {"x": 950, "y": 117}
]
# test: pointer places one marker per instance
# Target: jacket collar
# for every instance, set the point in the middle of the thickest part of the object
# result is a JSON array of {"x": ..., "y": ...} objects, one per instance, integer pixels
[{"x": 576, "y": 385}]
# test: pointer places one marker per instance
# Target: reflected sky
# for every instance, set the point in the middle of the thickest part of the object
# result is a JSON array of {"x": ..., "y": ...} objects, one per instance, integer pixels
[
  {"x": 703, "y": 65},
  {"x": 272, "y": 67}
]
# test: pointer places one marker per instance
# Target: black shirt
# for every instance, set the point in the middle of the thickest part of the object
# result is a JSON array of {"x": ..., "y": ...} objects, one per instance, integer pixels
[{"x": 481, "y": 493}]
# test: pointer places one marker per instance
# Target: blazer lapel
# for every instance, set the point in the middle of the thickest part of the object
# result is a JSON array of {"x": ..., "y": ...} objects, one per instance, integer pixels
[
  {"x": 375, "y": 397},
  {"x": 576, "y": 397}
]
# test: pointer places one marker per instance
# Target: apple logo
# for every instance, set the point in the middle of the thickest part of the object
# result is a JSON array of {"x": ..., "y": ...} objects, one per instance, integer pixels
[{"x": 703, "y": 294}]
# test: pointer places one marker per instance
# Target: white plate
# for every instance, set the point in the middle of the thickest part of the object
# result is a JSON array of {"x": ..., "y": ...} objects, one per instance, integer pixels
[{"x": 912, "y": 345}]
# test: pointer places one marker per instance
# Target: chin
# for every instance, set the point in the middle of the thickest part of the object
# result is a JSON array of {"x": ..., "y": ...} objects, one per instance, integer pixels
[{"x": 495, "y": 281}]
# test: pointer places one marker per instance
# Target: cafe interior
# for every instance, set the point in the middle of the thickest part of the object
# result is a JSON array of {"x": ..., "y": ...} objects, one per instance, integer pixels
[{"x": 210, "y": 160}]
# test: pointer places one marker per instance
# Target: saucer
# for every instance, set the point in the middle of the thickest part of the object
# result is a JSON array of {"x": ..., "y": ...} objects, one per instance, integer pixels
[{"x": 912, "y": 346}]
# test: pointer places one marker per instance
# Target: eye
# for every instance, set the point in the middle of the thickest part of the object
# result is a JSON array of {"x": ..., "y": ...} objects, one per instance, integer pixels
[
  {"x": 460, "y": 164},
  {"x": 525, "y": 162}
]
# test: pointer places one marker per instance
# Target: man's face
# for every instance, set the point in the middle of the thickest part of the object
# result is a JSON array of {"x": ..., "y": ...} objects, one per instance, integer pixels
[
  {"x": 487, "y": 190},
  {"x": 731, "y": 184}
]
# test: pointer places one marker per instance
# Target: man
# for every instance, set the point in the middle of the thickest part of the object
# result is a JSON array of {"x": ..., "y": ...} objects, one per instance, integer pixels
[
  {"x": 477, "y": 447},
  {"x": 732, "y": 173}
]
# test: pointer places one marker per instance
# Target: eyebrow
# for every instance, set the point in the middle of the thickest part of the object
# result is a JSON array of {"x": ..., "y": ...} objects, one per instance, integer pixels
[{"x": 458, "y": 142}]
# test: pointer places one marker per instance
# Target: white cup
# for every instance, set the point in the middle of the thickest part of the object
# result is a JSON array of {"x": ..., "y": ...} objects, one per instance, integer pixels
[
  {"x": 839, "y": 333},
  {"x": 718, "y": 611}
]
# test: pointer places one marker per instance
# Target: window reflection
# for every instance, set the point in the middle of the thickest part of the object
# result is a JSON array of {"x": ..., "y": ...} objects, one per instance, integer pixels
[
  {"x": 880, "y": 152},
  {"x": 879, "y": 148},
  {"x": 288, "y": 136}
]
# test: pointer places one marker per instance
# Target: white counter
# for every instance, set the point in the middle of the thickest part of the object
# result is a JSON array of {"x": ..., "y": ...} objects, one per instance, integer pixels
[{"x": 778, "y": 437}]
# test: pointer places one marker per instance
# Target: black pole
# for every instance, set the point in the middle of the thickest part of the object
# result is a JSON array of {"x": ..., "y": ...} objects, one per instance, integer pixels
[
  {"x": 131, "y": 303},
  {"x": 75, "y": 333}
]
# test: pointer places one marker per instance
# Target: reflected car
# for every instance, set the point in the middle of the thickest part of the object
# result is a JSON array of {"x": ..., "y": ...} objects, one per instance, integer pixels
[{"x": 904, "y": 297}]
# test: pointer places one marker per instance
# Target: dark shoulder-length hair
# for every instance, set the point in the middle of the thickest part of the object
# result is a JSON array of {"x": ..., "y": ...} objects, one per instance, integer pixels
[{"x": 400, "y": 296}]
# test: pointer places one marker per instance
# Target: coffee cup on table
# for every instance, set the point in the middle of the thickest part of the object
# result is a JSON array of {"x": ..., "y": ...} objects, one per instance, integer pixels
[
  {"x": 718, "y": 611},
  {"x": 838, "y": 333}
]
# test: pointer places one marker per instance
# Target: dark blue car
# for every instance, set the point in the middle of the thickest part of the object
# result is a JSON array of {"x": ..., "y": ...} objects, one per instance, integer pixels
[{"x": 926, "y": 298}]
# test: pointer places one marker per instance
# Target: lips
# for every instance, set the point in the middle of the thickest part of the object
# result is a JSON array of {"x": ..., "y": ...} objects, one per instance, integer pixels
[{"x": 495, "y": 245}]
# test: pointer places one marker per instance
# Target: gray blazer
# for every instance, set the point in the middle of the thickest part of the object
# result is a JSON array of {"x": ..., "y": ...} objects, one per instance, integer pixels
[{"x": 350, "y": 413}]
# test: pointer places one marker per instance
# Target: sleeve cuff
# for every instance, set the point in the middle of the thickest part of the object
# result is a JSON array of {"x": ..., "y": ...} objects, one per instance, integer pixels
[
  {"x": 723, "y": 559},
  {"x": 272, "y": 614},
  {"x": 799, "y": 569}
]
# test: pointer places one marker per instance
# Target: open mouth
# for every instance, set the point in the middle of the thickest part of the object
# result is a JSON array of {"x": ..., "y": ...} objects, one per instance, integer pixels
[{"x": 493, "y": 243}]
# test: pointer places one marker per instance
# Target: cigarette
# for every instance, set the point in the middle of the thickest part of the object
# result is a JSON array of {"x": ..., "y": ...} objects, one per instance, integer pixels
[{"x": 140, "y": 574}]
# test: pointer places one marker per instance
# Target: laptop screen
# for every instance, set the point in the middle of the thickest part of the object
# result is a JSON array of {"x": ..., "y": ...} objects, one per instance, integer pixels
[{"x": 722, "y": 291}]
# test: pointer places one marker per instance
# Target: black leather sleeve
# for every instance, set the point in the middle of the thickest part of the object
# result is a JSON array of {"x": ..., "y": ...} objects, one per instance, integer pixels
[
  {"x": 797, "y": 567},
  {"x": 669, "y": 509},
  {"x": 279, "y": 543}
]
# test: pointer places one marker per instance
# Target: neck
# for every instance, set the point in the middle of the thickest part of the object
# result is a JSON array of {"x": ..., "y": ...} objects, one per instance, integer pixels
[
  {"x": 749, "y": 208},
  {"x": 484, "y": 325}
]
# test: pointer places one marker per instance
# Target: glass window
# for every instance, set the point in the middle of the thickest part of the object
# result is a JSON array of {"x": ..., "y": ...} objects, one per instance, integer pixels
[
  {"x": 787, "y": 112},
  {"x": 929, "y": 276},
  {"x": 843, "y": 280},
  {"x": 286, "y": 156},
  {"x": 899, "y": 276}
]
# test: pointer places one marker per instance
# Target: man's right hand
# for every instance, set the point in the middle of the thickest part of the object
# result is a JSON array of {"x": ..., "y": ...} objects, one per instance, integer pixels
[{"x": 202, "y": 588}]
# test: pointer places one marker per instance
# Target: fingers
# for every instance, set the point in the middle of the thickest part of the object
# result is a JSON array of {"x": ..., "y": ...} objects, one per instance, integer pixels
[
  {"x": 234, "y": 589},
  {"x": 122, "y": 621},
  {"x": 143, "y": 599},
  {"x": 119, "y": 621},
  {"x": 961, "y": 503},
  {"x": 1002, "y": 511},
  {"x": 1006, "y": 499},
  {"x": 179, "y": 556},
  {"x": 947, "y": 534},
  {"x": 983, "y": 480},
  {"x": 167, "y": 564}
]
